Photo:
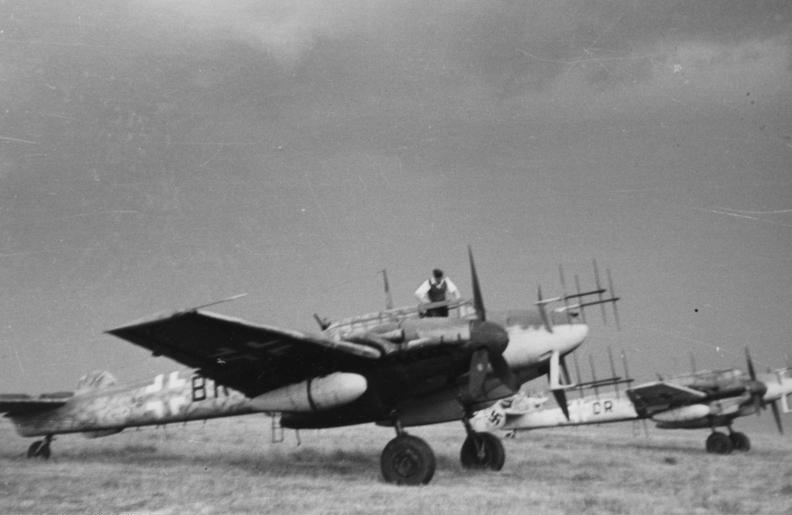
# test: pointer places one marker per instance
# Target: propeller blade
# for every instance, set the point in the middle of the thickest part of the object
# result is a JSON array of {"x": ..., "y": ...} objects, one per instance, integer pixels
[
  {"x": 749, "y": 361},
  {"x": 478, "y": 372},
  {"x": 561, "y": 400},
  {"x": 556, "y": 370},
  {"x": 478, "y": 301},
  {"x": 777, "y": 417},
  {"x": 503, "y": 371}
]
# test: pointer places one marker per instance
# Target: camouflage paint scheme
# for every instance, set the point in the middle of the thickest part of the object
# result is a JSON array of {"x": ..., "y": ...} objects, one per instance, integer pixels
[{"x": 99, "y": 407}]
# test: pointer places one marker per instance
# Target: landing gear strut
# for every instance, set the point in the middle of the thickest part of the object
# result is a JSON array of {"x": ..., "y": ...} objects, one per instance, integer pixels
[
  {"x": 481, "y": 450},
  {"x": 407, "y": 460},
  {"x": 40, "y": 448}
]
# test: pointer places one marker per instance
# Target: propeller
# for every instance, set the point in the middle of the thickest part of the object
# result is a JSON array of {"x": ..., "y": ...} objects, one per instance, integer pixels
[
  {"x": 557, "y": 368},
  {"x": 758, "y": 389},
  {"x": 777, "y": 417},
  {"x": 489, "y": 341},
  {"x": 478, "y": 301}
]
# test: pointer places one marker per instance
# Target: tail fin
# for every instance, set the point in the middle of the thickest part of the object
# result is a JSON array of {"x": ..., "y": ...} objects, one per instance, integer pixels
[{"x": 96, "y": 380}]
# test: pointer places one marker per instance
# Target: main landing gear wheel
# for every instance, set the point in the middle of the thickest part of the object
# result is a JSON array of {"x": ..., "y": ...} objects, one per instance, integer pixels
[
  {"x": 39, "y": 449},
  {"x": 407, "y": 460},
  {"x": 719, "y": 443},
  {"x": 740, "y": 442},
  {"x": 482, "y": 451}
]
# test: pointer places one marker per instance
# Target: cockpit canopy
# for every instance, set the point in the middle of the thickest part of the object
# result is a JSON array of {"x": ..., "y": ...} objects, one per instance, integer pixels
[{"x": 712, "y": 380}]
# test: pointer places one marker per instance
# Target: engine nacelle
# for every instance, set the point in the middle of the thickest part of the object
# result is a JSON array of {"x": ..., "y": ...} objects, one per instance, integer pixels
[
  {"x": 683, "y": 414},
  {"x": 315, "y": 394}
]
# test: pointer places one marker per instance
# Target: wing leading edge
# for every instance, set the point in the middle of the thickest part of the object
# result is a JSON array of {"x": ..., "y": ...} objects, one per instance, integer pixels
[{"x": 248, "y": 357}]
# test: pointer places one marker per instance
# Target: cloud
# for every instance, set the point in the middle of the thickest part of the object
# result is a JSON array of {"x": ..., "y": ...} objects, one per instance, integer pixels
[
  {"x": 283, "y": 29},
  {"x": 194, "y": 63}
]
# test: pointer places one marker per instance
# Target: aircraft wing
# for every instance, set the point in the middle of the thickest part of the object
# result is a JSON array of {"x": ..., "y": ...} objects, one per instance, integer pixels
[
  {"x": 250, "y": 358},
  {"x": 17, "y": 404},
  {"x": 660, "y": 395}
]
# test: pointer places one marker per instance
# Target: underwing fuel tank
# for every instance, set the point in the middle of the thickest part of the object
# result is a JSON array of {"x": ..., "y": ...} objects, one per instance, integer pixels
[
  {"x": 315, "y": 394},
  {"x": 683, "y": 414}
]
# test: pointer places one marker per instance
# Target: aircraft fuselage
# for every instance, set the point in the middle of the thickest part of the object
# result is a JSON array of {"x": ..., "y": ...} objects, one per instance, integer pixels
[{"x": 176, "y": 397}]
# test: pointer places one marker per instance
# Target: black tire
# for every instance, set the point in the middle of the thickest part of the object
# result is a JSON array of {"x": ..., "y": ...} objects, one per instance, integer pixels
[
  {"x": 740, "y": 442},
  {"x": 719, "y": 443},
  {"x": 407, "y": 460},
  {"x": 482, "y": 451},
  {"x": 39, "y": 449}
]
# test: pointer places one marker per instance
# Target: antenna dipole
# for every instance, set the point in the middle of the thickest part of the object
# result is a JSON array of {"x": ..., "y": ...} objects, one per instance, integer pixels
[
  {"x": 388, "y": 297},
  {"x": 593, "y": 375},
  {"x": 613, "y": 370}
]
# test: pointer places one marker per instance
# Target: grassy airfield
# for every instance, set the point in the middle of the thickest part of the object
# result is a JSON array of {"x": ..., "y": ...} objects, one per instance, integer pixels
[{"x": 231, "y": 466}]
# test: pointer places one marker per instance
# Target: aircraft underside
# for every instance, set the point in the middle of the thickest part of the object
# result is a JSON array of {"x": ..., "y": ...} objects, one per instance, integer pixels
[
  {"x": 717, "y": 442},
  {"x": 408, "y": 459}
]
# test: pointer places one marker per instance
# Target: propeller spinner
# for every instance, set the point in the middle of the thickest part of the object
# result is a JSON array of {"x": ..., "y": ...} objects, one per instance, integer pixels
[{"x": 758, "y": 389}]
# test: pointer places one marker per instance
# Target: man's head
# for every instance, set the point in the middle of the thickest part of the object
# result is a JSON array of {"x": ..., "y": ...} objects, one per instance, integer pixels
[{"x": 437, "y": 273}]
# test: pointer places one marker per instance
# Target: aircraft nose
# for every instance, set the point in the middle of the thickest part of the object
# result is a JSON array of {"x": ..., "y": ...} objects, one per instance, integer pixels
[
  {"x": 488, "y": 334},
  {"x": 578, "y": 333}
]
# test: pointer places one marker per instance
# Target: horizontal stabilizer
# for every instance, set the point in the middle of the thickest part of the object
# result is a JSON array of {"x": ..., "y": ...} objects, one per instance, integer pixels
[{"x": 18, "y": 404}]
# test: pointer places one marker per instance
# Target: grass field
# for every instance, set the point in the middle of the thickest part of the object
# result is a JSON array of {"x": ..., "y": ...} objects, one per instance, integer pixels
[{"x": 231, "y": 466}]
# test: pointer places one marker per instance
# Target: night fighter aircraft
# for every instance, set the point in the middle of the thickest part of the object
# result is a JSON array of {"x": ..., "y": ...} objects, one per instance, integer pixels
[
  {"x": 699, "y": 400},
  {"x": 393, "y": 368}
]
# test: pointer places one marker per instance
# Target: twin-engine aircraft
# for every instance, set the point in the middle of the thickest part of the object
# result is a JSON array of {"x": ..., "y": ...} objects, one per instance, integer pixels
[
  {"x": 702, "y": 399},
  {"x": 392, "y": 368}
]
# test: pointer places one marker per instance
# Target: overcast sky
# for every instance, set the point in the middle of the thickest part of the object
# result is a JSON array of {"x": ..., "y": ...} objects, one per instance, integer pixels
[{"x": 156, "y": 155}]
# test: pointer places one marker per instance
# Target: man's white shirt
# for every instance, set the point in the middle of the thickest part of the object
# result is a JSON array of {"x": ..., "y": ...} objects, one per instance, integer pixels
[{"x": 452, "y": 292}]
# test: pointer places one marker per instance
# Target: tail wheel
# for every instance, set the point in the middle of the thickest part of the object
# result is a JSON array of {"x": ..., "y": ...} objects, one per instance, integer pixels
[
  {"x": 39, "y": 449},
  {"x": 719, "y": 443},
  {"x": 740, "y": 442},
  {"x": 482, "y": 451},
  {"x": 407, "y": 460}
]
